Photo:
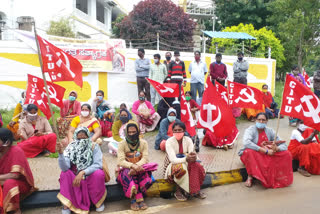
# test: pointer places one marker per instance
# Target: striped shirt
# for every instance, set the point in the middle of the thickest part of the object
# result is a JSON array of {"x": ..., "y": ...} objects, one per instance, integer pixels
[{"x": 177, "y": 71}]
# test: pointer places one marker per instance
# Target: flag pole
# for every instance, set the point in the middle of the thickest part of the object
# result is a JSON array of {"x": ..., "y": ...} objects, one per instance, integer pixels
[
  {"x": 45, "y": 83},
  {"x": 160, "y": 95},
  {"x": 278, "y": 122}
]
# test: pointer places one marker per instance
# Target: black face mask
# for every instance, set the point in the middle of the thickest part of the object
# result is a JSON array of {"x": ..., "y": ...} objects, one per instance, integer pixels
[
  {"x": 168, "y": 57},
  {"x": 142, "y": 98},
  {"x": 124, "y": 119}
]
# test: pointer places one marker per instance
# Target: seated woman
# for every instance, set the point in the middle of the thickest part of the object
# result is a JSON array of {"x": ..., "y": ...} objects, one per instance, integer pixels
[
  {"x": 84, "y": 120},
  {"x": 118, "y": 131},
  {"x": 165, "y": 130},
  {"x": 135, "y": 171},
  {"x": 266, "y": 160},
  {"x": 147, "y": 118},
  {"x": 193, "y": 105},
  {"x": 268, "y": 101},
  {"x": 163, "y": 107},
  {"x": 252, "y": 113},
  {"x": 227, "y": 142},
  {"x": 82, "y": 179},
  {"x": 122, "y": 106},
  {"x": 71, "y": 108},
  {"x": 104, "y": 113},
  {"x": 304, "y": 147},
  {"x": 181, "y": 165},
  {"x": 36, "y": 134},
  {"x": 16, "y": 178}
]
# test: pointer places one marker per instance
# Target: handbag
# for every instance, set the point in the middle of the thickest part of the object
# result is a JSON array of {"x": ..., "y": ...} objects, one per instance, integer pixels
[
  {"x": 133, "y": 157},
  {"x": 178, "y": 171}
]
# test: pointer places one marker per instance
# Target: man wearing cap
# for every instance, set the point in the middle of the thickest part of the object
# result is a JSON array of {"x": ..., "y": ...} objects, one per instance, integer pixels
[{"x": 177, "y": 71}]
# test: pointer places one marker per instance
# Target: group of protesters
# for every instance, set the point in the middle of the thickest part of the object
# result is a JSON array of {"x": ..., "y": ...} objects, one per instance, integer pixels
[{"x": 83, "y": 128}]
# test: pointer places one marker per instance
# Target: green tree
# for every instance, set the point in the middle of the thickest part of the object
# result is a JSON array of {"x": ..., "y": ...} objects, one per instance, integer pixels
[
  {"x": 265, "y": 39},
  {"x": 234, "y": 12},
  {"x": 115, "y": 27},
  {"x": 296, "y": 23},
  {"x": 62, "y": 27}
]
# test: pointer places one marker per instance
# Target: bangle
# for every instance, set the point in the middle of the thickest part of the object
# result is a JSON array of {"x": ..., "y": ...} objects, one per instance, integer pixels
[{"x": 267, "y": 152}]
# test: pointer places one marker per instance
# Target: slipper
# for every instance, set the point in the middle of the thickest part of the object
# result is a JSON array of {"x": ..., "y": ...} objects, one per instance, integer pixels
[
  {"x": 134, "y": 205},
  {"x": 180, "y": 197},
  {"x": 201, "y": 195},
  {"x": 143, "y": 206},
  {"x": 304, "y": 172}
]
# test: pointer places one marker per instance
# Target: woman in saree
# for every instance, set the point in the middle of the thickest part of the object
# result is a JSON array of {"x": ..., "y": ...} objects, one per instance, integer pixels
[
  {"x": 71, "y": 109},
  {"x": 82, "y": 180},
  {"x": 16, "y": 180},
  {"x": 36, "y": 134},
  {"x": 181, "y": 165},
  {"x": 135, "y": 171},
  {"x": 147, "y": 117},
  {"x": 84, "y": 120},
  {"x": 104, "y": 113},
  {"x": 267, "y": 160},
  {"x": 118, "y": 131},
  {"x": 304, "y": 147}
]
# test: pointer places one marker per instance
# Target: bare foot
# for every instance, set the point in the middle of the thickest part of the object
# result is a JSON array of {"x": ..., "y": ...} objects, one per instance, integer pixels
[{"x": 248, "y": 182}]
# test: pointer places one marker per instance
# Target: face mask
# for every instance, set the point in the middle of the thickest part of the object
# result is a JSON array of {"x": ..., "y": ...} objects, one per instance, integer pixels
[
  {"x": 179, "y": 135},
  {"x": 295, "y": 72},
  {"x": 171, "y": 118},
  {"x": 240, "y": 58},
  {"x": 302, "y": 127},
  {"x": 124, "y": 119},
  {"x": 168, "y": 57},
  {"x": 142, "y": 98},
  {"x": 177, "y": 59},
  {"x": 72, "y": 98},
  {"x": 261, "y": 125},
  {"x": 85, "y": 113},
  {"x": 197, "y": 58},
  {"x": 156, "y": 61},
  {"x": 264, "y": 90},
  {"x": 133, "y": 139},
  {"x": 32, "y": 117},
  {"x": 100, "y": 97},
  {"x": 188, "y": 98}
]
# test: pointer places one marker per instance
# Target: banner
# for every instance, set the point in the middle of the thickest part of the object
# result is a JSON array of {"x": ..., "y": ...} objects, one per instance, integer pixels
[{"x": 94, "y": 55}]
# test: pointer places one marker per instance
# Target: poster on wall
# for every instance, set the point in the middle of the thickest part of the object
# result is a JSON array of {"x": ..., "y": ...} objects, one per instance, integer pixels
[{"x": 95, "y": 55}]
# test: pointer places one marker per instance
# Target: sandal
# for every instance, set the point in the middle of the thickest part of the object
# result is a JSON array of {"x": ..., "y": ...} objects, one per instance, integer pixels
[
  {"x": 225, "y": 147},
  {"x": 180, "y": 197},
  {"x": 248, "y": 182},
  {"x": 134, "y": 205},
  {"x": 200, "y": 195},
  {"x": 143, "y": 206},
  {"x": 304, "y": 172}
]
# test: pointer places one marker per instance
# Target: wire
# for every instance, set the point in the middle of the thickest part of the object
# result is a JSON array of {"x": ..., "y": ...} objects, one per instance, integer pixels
[{"x": 175, "y": 46}]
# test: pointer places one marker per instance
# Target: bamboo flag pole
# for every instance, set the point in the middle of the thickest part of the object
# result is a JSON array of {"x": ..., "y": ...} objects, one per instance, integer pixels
[
  {"x": 45, "y": 83},
  {"x": 161, "y": 96}
]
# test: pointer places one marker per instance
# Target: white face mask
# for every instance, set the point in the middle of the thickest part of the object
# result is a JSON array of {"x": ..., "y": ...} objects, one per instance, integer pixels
[
  {"x": 156, "y": 61},
  {"x": 302, "y": 127},
  {"x": 85, "y": 113},
  {"x": 32, "y": 117}
]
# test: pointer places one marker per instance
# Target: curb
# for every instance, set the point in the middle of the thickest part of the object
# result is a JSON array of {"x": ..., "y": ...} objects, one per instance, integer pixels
[{"x": 160, "y": 188}]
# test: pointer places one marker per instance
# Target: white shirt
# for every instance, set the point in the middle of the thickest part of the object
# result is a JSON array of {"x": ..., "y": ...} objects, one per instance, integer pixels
[
  {"x": 296, "y": 135},
  {"x": 198, "y": 71}
]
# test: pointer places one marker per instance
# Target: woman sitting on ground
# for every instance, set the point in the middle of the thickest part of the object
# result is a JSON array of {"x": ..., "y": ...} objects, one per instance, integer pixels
[
  {"x": 16, "y": 178},
  {"x": 135, "y": 171},
  {"x": 304, "y": 147},
  {"x": 104, "y": 113},
  {"x": 165, "y": 130},
  {"x": 71, "y": 109},
  {"x": 181, "y": 165},
  {"x": 266, "y": 160},
  {"x": 269, "y": 104},
  {"x": 84, "y": 120},
  {"x": 82, "y": 179},
  {"x": 122, "y": 106},
  {"x": 36, "y": 134},
  {"x": 147, "y": 118},
  {"x": 118, "y": 131}
]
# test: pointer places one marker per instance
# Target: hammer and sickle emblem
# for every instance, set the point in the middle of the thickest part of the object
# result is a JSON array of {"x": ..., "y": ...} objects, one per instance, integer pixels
[
  {"x": 209, "y": 123},
  {"x": 59, "y": 62},
  {"x": 166, "y": 89},
  {"x": 52, "y": 93},
  {"x": 249, "y": 97},
  {"x": 312, "y": 112}
]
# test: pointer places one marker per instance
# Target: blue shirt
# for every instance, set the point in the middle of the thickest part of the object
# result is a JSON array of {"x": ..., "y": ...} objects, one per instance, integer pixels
[{"x": 142, "y": 67}]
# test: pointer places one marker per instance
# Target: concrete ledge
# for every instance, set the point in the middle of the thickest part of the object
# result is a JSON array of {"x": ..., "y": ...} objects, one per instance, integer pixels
[{"x": 160, "y": 188}]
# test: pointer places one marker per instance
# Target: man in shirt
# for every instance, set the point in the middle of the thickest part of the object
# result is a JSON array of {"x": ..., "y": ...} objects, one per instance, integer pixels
[
  {"x": 198, "y": 70},
  {"x": 142, "y": 72},
  {"x": 240, "y": 70},
  {"x": 158, "y": 72},
  {"x": 177, "y": 72},
  {"x": 218, "y": 70},
  {"x": 168, "y": 60}
]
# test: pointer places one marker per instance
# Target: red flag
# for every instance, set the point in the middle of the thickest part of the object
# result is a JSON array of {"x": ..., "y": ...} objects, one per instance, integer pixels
[
  {"x": 215, "y": 114},
  {"x": 36, "y": 94},
  {"x": 58, "y": 64},
  {"x": 306, "y": 78},
  {"x": 222, "y": 91},
  {"x": 299, "y": 101},
  {"x": 244, "y": 96},
  {"x": 165, "y": 89},
  {"x": 186, "y": 116}
]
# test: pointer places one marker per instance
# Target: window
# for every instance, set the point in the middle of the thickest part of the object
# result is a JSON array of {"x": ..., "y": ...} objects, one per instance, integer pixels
[
  {"x": 100, "y": 12},
  {"x": 82, "y": 5}
]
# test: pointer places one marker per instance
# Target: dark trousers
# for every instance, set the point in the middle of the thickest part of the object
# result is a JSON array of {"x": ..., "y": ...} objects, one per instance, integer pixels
[
  {"x": 179, "y": 82},
  {"x": 223, "y": 82},
  {"x": 317, "y": 92},
  {"x": 143, "y": 85},
  {"x": 241, "y": 80}
]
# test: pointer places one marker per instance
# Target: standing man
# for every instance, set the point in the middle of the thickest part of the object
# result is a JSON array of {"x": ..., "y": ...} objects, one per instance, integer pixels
[
  {"x": 142, "y": 70},
  {"x": 158, "y": 72},
  {"x": 177, "y": 72},
  {"x": 240, "y": 70},
  {"x": 218, "y": 70},
  {"x": 316, "y": 83},
  {"x": 168, "y": 60},
  {"x": 198, "y": 70}
]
